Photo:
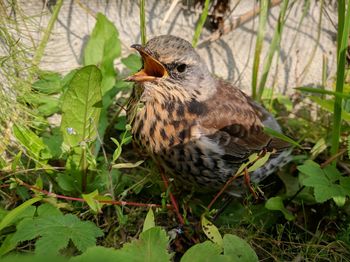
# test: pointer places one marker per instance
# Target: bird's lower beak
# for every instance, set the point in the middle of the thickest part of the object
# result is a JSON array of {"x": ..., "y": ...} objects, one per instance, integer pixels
[{"x": 151, "y": 70}]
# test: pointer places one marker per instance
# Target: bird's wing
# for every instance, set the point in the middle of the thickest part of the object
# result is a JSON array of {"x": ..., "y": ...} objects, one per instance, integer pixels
[{"x": 235, "y": 122}]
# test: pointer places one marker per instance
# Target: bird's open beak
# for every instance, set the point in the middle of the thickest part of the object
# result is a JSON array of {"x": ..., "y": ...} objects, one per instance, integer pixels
[{"x": 151, "y": 70}]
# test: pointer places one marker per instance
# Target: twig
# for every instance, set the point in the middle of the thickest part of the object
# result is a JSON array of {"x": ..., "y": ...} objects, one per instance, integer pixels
[
  {"x": 332, "y": 158},
  {"x": 222, "y": 190},
  {"x": 232, "y": 178},
  {"x": 112, "y": 202},
  {"x": 235, "y": 22}
]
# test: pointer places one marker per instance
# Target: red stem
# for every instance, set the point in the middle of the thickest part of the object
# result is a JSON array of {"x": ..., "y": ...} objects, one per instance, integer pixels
[
  {"x": 113, "y": 202},
  {"x": 173, "y": 200}
]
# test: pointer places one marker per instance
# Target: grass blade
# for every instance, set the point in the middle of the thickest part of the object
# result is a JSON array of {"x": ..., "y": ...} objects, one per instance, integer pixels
[
  {"x": 143, "y": 22},
  {"x": 322, "y": 92},
  {"x": 279, "y": 135},
  {"x": 41, "y": 48},
  {"x": 273, "y": 47},
  {"x": 14, "y": 213},
  {"x": 259, "y": 43},
  {"x": 341, "y": 55},
  {"x": 200, "y": 23}
]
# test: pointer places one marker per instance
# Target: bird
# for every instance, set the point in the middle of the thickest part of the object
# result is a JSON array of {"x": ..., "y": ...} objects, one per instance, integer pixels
[{"x": 200, "y": 128}]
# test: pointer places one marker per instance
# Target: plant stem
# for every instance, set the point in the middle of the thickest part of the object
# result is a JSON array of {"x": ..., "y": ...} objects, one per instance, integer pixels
[
  {"x": 143, "y": 22},
  {"x": 343, "y": 23},
  {"x": 200, "y": 23},
  {"x": 264, "y": 4},
  {"x": 275, "y": 42}
]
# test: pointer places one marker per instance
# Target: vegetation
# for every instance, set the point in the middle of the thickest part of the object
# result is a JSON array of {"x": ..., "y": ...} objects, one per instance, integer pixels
[{"x": 76, "y": 190}]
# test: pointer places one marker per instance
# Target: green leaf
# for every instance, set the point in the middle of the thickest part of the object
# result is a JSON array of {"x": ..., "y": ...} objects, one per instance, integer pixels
[
  {"x": 259, "y": 162},
  {"x": 80, "y": 115},
  {"x": 279, "y": 135},
  {"x": 324, "y": 182},
  {"x": 92, "y": 201},
  {"x": 101, "y": 50},
  {"x": 211, "y": 231},
  {"x": 127, "y": 165},
  {"x": 132, "y": 62},
  {"x": 318, "y": 148},
  {"x": 33, "y": 258},
  {"x": 310, "y": 168},
  {"x": 235, "y": 249},
  {"x": 55, "y": 232},
  {"x": 204, "y": 252},
  {"x": 152, "y": 246},
  {"x": 14, "y": 213},
  {"x": 118, "y": 150},
  {"x": 49, "y": 83},
  {"x": 322, "y": 91},
  {"x": 200, "y": 23},
  {"x": 7, "y": 245},
  {"x": 276, "y": 203},
  {"x": 238, "y": 250},
  {"x": 149, "y": 221},
  {"x": 29, "y": 140},
  {"x": 94, "y": 254},
  {"x": 328, "y": 105}
]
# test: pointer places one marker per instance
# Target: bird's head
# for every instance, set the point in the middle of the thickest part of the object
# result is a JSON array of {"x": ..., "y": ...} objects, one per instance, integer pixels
[{"x": 172, "y": 60}]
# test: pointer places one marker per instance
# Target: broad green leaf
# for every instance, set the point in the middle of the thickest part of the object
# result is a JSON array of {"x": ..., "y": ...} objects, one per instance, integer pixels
[
  {"x": 238, "y": 250},
  {"x": 14, "y": 213},
  {"x": 94, "y": 254},
  {"x": 56, "y": 231},
  {"x": 49, "y": 83},
  {"x": 211, "y": 231},
  {"x": 332, "y": 173},
  {"x": 132, "y": 62},
  {"x": 151, "y": 247},
  {"x": 149, "y": 221},
  {"x": 310, "y": 168},
  {"x": 324, "y": 182},
  {"x": 101, "y": 50},
  {"x": 276, "y": 203},
  {"x": 80, "y": 111},
  {"x": 204, "y": 252},
  {"x": 33, "y": 258}
]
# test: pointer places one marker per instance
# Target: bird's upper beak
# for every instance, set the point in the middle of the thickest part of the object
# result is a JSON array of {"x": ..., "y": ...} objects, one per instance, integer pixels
[{"x": 151, "y": 70}]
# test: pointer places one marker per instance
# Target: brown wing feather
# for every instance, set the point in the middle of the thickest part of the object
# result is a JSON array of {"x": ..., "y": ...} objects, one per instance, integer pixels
[{"x": 235, "y": 122}]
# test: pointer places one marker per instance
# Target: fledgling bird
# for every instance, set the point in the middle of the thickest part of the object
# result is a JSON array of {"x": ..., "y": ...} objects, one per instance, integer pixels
[{"x": 200, "y": 128}]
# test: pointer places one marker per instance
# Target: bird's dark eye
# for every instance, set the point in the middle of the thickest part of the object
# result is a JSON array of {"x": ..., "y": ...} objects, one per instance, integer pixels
[{"x": 181, "y": 68}]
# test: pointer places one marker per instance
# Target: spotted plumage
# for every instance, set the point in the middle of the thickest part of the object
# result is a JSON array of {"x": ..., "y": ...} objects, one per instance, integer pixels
[{"x": 199, "y": 127}]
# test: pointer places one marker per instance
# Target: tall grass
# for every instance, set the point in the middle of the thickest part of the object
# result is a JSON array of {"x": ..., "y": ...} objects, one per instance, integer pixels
[
  {"x": 143, "y": 22},
  {"x": 274, "y": 46},
  {"x": 19, "y": 67},
  {"x": 343, "y": 33},
  {"x": 259, "y": 44},
  {"x": 45, "y": 38},
  {"x": 201, "y": 21}
]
